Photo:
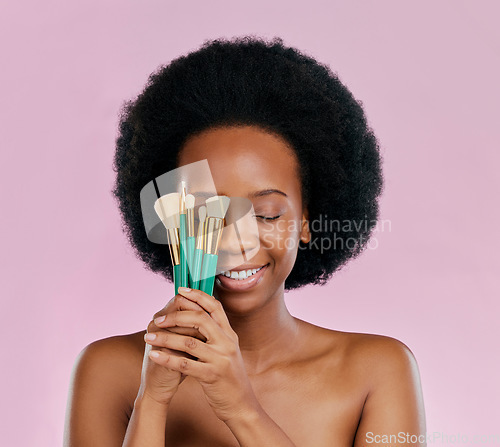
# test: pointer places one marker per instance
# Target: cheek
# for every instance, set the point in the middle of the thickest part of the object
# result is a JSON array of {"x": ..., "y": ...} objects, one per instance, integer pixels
[{"x": 280, "y": 238}]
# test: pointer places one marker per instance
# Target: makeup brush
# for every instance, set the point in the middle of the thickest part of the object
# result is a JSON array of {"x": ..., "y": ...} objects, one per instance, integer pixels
[
  {"x": 167, "y": 208},
  {"x": 183, "y": 236},
  {"x": 190, "y": 235},
  {"x": 198, "y": 252},
  {"x": 216, "y": 210}
]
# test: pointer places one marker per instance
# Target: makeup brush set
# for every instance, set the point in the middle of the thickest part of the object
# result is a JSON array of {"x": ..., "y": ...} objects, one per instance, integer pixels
[{"x": 193, "y": 251}]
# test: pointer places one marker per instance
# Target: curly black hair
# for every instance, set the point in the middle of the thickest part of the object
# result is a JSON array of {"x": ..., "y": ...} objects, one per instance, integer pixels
[{"x": 250, "y": 81}]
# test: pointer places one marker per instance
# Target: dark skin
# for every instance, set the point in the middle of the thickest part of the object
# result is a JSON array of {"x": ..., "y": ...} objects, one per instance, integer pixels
[{"x": 263, "y": 376}]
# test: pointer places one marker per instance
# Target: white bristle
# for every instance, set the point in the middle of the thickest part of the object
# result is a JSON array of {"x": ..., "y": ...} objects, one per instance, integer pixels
[
  {"x": 183, "y": 188},
  {"x": 190, "y": 201},
  {"x": 167, "y": 208},
  {"x": 217, "y": 206},
  {"x": 202, "y": 213}
]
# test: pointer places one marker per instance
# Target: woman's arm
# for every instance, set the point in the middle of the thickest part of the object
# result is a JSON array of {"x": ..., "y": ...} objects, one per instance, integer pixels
[
  {"x": 100, "y": 397},
  {"x": 147, "y": 424},
  {"x": 96, "y": 411},
  {"x": 256, "y": 428},
  {"x": 393, "y": 413},
  {"x": 108, "y": 380},
  {"x": 219, "y": 369}
]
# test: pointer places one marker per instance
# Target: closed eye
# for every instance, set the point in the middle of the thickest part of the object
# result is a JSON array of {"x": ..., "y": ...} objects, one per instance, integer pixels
[{"x": 268, "y": 218}]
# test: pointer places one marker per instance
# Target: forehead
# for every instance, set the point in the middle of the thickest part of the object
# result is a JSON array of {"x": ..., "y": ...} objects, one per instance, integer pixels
[{"x": 244, "y": 159}]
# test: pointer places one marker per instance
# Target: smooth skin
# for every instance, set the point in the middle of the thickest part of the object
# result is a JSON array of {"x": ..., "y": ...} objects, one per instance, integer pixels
[{"x": 237, "y": 368}]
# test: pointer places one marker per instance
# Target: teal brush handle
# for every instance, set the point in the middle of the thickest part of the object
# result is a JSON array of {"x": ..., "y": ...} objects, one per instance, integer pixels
[
  {"x": 177, "y": 278},
  {"x": 190, "y": 258},
  {"x": 208, "y": 270},
  {"x": 183, "y": 251},
  {"x": 197, "y": 260}
]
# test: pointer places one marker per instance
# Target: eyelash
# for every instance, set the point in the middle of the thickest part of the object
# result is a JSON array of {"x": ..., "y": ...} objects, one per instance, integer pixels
[{"x": 269, "y": 218}]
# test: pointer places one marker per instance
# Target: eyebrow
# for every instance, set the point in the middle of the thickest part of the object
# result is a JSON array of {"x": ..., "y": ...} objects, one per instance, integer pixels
[
  {"x": 266, "y": 192},
  {"x": 261, "y": 193}
]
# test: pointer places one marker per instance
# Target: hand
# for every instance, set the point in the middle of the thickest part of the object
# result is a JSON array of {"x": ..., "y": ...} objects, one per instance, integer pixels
[
  {"x": 159, "y": 382},
  {"x": 219, "y": 369}
]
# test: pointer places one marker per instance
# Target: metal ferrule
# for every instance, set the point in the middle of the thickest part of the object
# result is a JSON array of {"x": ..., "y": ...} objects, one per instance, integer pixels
[
  {"x": 213, "y": 232},
  {"x": 199, "y": 236},
  {"x": 173, "y": 245}
]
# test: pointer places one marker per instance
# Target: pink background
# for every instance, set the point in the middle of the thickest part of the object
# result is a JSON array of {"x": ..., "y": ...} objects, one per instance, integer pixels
[{"x": 427, "y": 73}]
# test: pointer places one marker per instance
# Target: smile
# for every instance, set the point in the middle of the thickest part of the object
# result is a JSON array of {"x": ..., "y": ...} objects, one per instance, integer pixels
[
  {"x": 240, "y": 274},
  {"x": 239, "y": 280}
]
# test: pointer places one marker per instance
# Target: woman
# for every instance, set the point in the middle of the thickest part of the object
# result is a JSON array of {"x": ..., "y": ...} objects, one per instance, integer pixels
[{"x": 237, "y": 368}]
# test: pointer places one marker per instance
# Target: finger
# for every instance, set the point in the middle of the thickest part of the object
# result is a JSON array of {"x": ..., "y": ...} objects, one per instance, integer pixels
[
  {"x": 192, "y": 332},
  {"x": 181, "y": 343},
  {"x": 168, "y": 350},
  {"x": 200, "y": 320},
  {"x": 185, "y": 331},
  {"x": 163, "y": 311},
  {"x": 211, "y": 305},
  {"x": 178, "y": 302},
  {"x": 183, "y": 303},
  {"x": 193, "y": 368}
]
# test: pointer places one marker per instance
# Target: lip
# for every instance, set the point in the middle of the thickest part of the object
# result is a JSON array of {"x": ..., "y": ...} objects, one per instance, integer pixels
[{"x": 239, "y": 285}]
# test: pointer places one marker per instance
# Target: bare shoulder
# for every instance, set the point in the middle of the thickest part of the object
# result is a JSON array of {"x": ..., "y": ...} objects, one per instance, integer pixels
[
  {"x": 376, "y": 349},
  {"x": 385, "y": 372},
  {"x": 381, "y": 355},
  {"x": 104, "y": 383},
  {"x": 118, "y": 353},
  {"x": 384, "y": 356},
  {"x": 364, "y": 347},
  {"x": 116, "y": 347},
  {"x": 117, "y": 358}
]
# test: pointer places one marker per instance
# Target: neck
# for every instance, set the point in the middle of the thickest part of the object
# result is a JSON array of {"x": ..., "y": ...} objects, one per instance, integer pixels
[{"x": 265, "y": 334}]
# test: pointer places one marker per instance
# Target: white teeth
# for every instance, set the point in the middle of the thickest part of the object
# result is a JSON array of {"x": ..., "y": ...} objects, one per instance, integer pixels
[{"x": 242, "y": 274}]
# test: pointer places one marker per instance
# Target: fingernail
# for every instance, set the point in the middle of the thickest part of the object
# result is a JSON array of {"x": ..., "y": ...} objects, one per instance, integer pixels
[
  {"x": 149, "y": 337},
  {"x": 160, "y": 319},
  {"x": 184, "y": 289},
  {"x": 154, "y": 354}
]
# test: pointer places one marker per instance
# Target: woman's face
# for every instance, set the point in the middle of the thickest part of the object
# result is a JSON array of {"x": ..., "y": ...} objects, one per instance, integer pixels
[{"x": 251, "y": 163}]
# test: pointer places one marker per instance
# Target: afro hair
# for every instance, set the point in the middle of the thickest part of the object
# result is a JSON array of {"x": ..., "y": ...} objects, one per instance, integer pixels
[{"x": 250, "y": 81}]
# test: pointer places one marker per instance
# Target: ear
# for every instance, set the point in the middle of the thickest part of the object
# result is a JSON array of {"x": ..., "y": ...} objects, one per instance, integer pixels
[{"x": 305, "y": 233}]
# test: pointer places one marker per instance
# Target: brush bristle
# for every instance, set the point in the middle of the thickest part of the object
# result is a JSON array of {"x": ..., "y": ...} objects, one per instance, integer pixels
[
  {"x": 182, "y": 198},
  {"x": 202, "y": 213},
  {"x": 190, "y": 201},
  {"x": 167, "y": 208},
  {"x": 217, "y": 206}
]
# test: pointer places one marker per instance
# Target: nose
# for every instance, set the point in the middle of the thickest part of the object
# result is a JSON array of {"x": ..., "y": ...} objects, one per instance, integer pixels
[{"x": 239, "y": 243}]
